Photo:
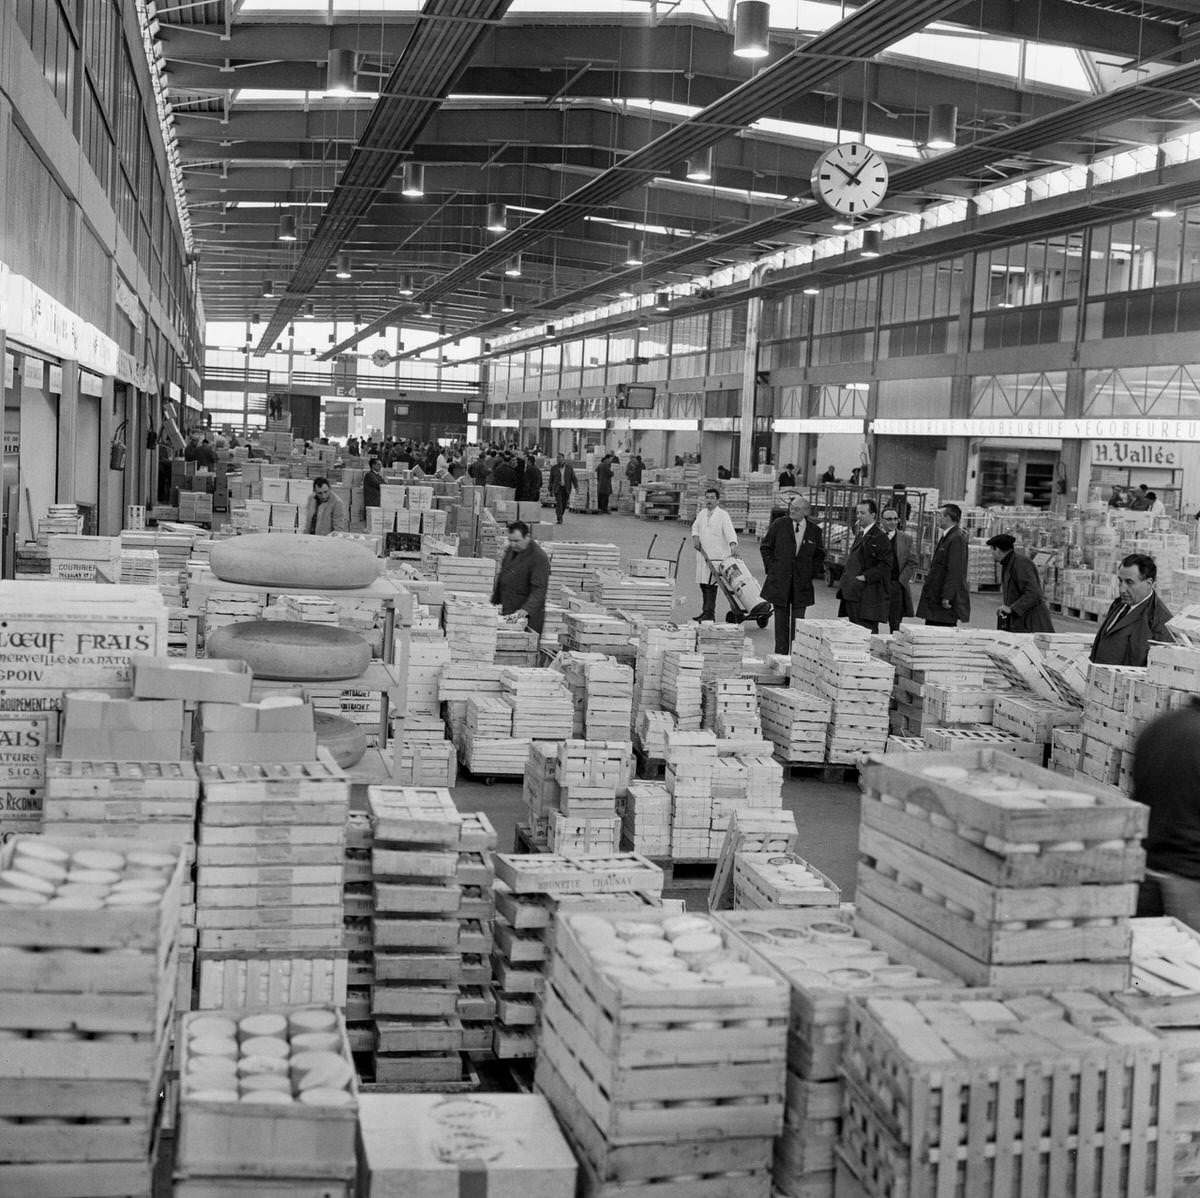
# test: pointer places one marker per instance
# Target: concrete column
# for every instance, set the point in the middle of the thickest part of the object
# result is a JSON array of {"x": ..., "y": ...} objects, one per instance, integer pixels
[
  {"x": 749, "y": 387},
  {"x": 68, "y": 414}
]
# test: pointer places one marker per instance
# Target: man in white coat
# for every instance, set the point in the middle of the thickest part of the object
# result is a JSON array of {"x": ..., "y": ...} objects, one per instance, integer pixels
[{"x": 713, "y": 532}]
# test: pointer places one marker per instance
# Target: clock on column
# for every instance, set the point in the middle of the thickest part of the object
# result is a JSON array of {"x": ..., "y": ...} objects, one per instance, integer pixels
[{"x": 850, "y": 179}]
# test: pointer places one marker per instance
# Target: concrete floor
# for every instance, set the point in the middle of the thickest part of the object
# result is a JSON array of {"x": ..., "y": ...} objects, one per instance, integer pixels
[{"x": 827, "y": 814}]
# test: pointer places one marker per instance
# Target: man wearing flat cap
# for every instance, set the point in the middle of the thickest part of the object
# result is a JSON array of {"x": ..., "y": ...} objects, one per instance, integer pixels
[{"x": 1024, "y": 608}]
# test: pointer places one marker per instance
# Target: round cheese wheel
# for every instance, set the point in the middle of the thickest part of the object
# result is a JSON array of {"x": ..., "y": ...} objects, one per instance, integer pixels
[
  {"x": 343, "y": 738},
  {"x": 315, "y": 1020},
  {"x": 291, "y": 651},
  {"x": 316, "y": 563}
]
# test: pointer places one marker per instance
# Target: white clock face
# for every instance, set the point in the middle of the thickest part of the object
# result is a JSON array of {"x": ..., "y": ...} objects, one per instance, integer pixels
[{"x": 851, "y": 179}]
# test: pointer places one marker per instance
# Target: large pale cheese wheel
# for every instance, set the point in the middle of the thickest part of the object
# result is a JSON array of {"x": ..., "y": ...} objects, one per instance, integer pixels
[
  {"x": 275, "y": 560},
  {"x": 291, "y": 651},
  {"x": 344, "y": 739}
]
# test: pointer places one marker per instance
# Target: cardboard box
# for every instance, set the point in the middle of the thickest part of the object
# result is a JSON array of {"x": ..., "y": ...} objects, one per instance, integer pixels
[
  {"x": 255, "y": 717},
  {"x": 93, "y": 710},
  {"x": 256, "y": 746},
  {"x": 412, "y": 1146},
  {"x": 191, "y": 679},
  {"x": 102, "y": 744}
]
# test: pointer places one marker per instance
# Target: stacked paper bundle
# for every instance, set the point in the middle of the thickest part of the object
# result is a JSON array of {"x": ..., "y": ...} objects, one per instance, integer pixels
[
  {"x": 691, "y": 763},
  {"x": 681, "y": 688}
]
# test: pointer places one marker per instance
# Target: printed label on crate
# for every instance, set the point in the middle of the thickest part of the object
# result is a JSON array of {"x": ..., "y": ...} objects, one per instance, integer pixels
[
  {"x": 48, "y": 703},
  {"x": 69, "y": 652},
  {"x": 23, "y": 750}
]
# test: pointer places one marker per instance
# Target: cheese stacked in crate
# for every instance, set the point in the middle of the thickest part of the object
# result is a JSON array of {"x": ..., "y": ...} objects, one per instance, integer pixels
[
  {"x": 88, "y": 959},
  {"x": 476, "y": 878},
  {"x": 833, "y": 658},
  {"x": 270, "y": 875},
  {"x": 358, "y": 903},
  {"x": 983, "y": 867},
  {"x": 651, "y": 729},
  {"x": 990, "y": 1093},
  {"x": 529, "y": 890},
  {"x": 816, "y": 952},
  {"x": 608, "y": 700},
  {"x": 471, "y": 625},
  {"x": 540, "y": 788},
  {"x": 731, "y": 707},
  {"x": 662, "y": 1052},
  {"x": 268, "y": 1103},
  {"x": 84, "y": 639},
  {"x": 653, "y": 644},
  {"x": 720, "y": 646},
  {"x": 541, "y": 705},
  {"x": 771, "y": 880},
  {"x": 653, "y": 599},
  {"x": 796, "y": 722},
  {"x": 646, "y": 819},
  {"x": 153, "y": 802},
  {"x": 682, "y": 689}
]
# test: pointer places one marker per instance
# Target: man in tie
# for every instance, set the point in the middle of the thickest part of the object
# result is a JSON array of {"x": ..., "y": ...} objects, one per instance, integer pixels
[
  {"x": 904, "y": 566},
  {"x": 945, "y": 598},
  {"x": 865, "y": 589},
  {"x": 793, "y": 552},
  {"x": 1136, "y": 617}
]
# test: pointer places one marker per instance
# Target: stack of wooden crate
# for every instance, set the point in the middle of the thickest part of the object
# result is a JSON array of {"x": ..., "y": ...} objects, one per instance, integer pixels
[
  {"x": 540, "y": 704},
  {"x": 693, "y": 1105},
  {"x": 270, "y": 873},
  {"x": 1108, "y": 734},
  {"x": 358, "y": 905},
  {"x": 833, "y": 658},
  {"x": 418, "y": 955},
  {"x": 471, "y": 626},
  {"x": 1033, "y": 719},
  {"x": 652, "y": 646},
  {"x": 653, "y": 599},
  {"x": 981, "y": 866},
  {"x": 731, "y": 707},
  {"x": 646, "y": 819},
  {"x": 973, "y": 1093},
  {"x": 590, "y": 775},
  {"x": 815, "y": 951},
  {"x": 720, "y": 646},
  {"x": 608, "y": 704},
  {"x": 467, "y": 575},
  {"x": 956, "y": 739},
  {"x": 87, "y": 989},
  {"x": 476, "y": 879},
  {"x": 529, "y": 890},
  {"x": 597, "y": 632},
  {"x": 682, "y": 690},
  {"x": 153, "y": 802},
  {"x": 650, "y": 732},
  {"x": 572, "y": 563},
  {"x": 795, "y": 721},
  {"x": 691, "y": 763},
  {"x": 245, "y": 1127}
]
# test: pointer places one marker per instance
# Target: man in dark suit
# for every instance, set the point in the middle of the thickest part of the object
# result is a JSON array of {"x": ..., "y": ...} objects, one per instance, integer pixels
[
  {"x": 793, "y": 552},
  {"x": 865, "y": 590},
  {"x": 1024, "y": 605},
  {"x": 904, "y": 566},
  {"x": 945, "y": 597},
  {"x": 1137, "y": 616},
  {"x": 523, "y": 577},
  {"x": 562, "y": 483}
]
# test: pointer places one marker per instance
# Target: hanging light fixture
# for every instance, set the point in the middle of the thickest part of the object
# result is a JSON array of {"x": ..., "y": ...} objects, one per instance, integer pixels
[
  {"x": 1164, "y": 210},
  {"x": 843, "y": 224},
  {"x": 413, "y": 180},
  {"x": 406, "y": 287},
  {"x": 310, "y": 311},
  {"x": 513, "y": 267},
  {"x": 497, "y": 218},
  {"x": 662, "y": 301},
  {"x": 342, "y": 269},
  {"x": 633, "y": 255},
  {"x": 871, "y": 242},
  {"x": 812, "y": 289},
  {"x": 268, "y": 289},
  {"x": 426, "y": 312},
  {"x": 699, "y": 167},
  {"x": 340, "y": 69},
  {"x": 508, "y": 303},
  {"x": 751, "y": 29},
  {"x": 643, "y": 325},
  {"x": 943, "y": 127},
  {"x": 287, "y": 228}
]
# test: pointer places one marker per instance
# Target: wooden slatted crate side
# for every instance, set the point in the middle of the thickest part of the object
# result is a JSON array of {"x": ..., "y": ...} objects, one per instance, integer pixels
[
  {"x": 906, "y": 779},
  {"x": 1098, "y": 862}
]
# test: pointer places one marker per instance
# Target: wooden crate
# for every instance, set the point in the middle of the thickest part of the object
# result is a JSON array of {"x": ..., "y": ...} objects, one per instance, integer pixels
[
  {"x": 759, "y": 881},
  {"x": 265, "y": 979},
  {"x": 752, "y": 829},
  {"x": 609, "y": 1045},
  {"x": 982, "y": 1093},
  {"x": 550, "y": 873},
  {"x": 231, "y": 1139}
]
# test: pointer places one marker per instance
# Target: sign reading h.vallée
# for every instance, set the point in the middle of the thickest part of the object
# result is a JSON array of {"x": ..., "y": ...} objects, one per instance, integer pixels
[{"x": 1159, "y": 454}]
